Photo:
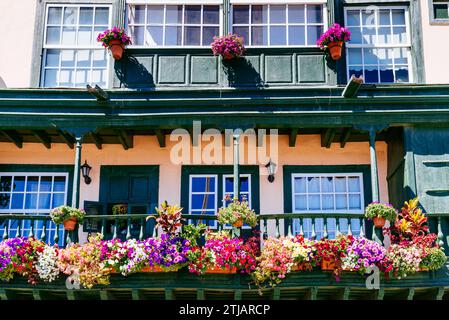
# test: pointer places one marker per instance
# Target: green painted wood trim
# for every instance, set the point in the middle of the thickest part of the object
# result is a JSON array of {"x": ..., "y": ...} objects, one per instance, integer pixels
[
  {"x": 43, "y": 168},
  {"x": 77, "y": 174},
  {"x": 220, "y": 170}
]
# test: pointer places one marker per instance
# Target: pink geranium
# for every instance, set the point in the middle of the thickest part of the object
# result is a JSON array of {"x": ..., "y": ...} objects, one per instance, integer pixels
[{"x": 335, "y": 33}]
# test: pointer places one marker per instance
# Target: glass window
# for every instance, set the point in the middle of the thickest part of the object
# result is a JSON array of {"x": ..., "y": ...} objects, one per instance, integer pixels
[
  {"x": 173, "y": 25},
  {"x": 32, "y": 193},
  {"x": 72, "y": 55},
  {"x": 278, "y": 25},
  {"x": 441, "y": 10},
  {"x": 379, "y": 49},
  {"x": 327, "y": 193}
]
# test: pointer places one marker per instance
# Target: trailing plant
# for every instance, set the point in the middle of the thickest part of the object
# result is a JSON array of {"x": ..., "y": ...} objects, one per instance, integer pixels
[
  {"x": 59, "y": 214},
  {"x": 362, "y": 254},
  {"x": 405, "y": 259},
  {"x": 170, "y": 217},
  {"x": 193, "y": 233},
  {"x": 381, "y": 210},
  {"x": 168, "y": 252},
  {"x": 8, "y": 250},
  {"x": 334, "y": 250},
  {"x": 229, "y": 47},
  {"x": 434, "y": 258},
  {"x": 236, "y": 213},
  {"x": 26, "y": 258},
  {"x": 123, "y": 257}
]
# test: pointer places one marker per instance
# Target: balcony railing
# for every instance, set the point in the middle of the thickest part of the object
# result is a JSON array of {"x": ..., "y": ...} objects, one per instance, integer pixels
[{"x": 311, "y": 225}]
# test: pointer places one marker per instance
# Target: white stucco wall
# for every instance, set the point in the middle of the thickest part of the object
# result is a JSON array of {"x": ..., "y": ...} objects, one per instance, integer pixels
[
  {"x": 436, "y": 47},
  {"x": 17, "y": 24}
]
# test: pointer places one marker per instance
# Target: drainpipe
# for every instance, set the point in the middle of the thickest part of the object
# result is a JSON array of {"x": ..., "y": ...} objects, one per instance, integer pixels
[
  {"x": 72, "y": 235},
  {"x": 236, "y": 137},
  {"x": 377, "y": 232}
]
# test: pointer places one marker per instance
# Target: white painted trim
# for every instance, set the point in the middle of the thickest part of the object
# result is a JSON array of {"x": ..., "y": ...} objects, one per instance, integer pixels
[
  {"x": 247, "y": 175},
  {"x": 279, "y": 2},
  {"x": 174, "y": 2},
  {"x": 191, "y": 176}
]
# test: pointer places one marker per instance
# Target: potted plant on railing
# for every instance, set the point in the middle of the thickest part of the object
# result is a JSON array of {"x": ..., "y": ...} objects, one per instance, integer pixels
[
  {"x": 68, "y": 216},
  {"x": 434, "y": 259},
  {"x": 115, "y": 40},
  {"x": 236, "y": 213},
  {"x": 169, "y": 217},
  {"x": 380, "y": 212},
  {"x": 230, "y": 47},
  {"x": 332, "y": 40}
]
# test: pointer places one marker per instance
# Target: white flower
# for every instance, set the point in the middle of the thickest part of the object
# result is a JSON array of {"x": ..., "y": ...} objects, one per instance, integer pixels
[{"x": 46, "y": 266}]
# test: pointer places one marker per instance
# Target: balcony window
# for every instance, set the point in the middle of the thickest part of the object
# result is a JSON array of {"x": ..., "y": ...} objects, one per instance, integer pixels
[
  {"x": 32, "y": 194},
  {"x": 72, "y": 56},
  {"x": 440, "y": 11},
  {"x": 379, "y": 49},
  {"x": 327, "y": 193},
  {"x": 173, "y": 25},
  {"x": 278, "y": 25}
]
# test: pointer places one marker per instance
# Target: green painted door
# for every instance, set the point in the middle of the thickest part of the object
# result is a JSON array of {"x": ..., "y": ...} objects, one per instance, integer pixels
[{"x": 136, "y": 186}]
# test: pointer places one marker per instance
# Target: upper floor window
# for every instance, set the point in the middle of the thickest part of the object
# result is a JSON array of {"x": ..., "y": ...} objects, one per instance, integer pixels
[
  {"x": 440, "y": 10},
  {"x": 72, "y": 57},
  {"x": 173, "y": 25},
  {"x": 279, "y": 24},
  {"x": 379, "y": 49}
]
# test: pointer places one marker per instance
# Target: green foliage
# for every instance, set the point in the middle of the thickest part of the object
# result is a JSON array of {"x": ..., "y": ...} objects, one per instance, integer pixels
[
  {"x": 193, "y": 233},
  {"x": 60, "y": 214},
  {"x": 237, "y": 212},
  {"x": 170, "y": 217},
  {"x": 435, "y": 258},
  {"x": 377, "y": 209}
]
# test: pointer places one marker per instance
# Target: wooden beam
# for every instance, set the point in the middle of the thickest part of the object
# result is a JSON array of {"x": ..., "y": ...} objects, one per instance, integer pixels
[
  {"x": 68, "y": 138},
  {"x": 13, "y": 137},
  {"x": 135, "y": 293},
  {"x": 169, "y": 294},
  {"x": 238, "y": 294},
  {"x": 97, "y": 140},
  {"x": 345, "y": 137},
  {"x": 43, "y": 137},
  {"x": 200, "y": 294},
  {"x": 292, "y": 137},
  {"x": 160, "y": 138},
  {"x": 276, "y": 293},
  {"x": 327, "y": 137},
  {"x": 125, "y": 139}
]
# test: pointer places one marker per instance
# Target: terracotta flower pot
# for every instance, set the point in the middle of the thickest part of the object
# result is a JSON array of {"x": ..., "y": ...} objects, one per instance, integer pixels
[
  {"x": 214, "y": 270},
  {"x": 335, "y": 49},
  {"x": 238, "y": 223},
  {"x": 117, "y": 48},
  {"x": 158, "y": 269},
  {"x": 70, "y": 224},
  {"x": 379, "y": 222},
  {"x": 423, "y": 269},
  {"x": 327, "y": 264},
  {"x": 228, "y": 56}
]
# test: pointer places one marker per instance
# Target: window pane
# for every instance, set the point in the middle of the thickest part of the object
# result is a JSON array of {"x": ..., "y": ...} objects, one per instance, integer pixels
[
  {"x": 155, "y": 14},
  {"x": 401, "y": 74},
  {"x": 370, "y": 56},
  {"x": 70, "y": 15},
  {"x": 368, "y": 18},
  {"x": 17, "y": 201},
  {"x": 99, "y": 77},
  {"x": 54, "y": 15},
  {"x": 203, "y": 201},
  {"x": 385, "y": 56},
  {"x": 59, "y": 184},
  {"x": 31, "y": 201},
  {"x": 101, "y": 16},
  {"x": 50, "y": 78},
  {"x": 369, "y": 35},
  {"x": 58, "y": 200},
  {"x": 277, "y": 14},
  {"x": 354, "y": 184},
  {"x": 243, "y": 32},
  {"x": 327, "y": 184},
  {"x": 46, "y": 183},
  {"x": 86, "y": 15},
  {"x": 66, "y": 78},
  {"x": 384, "y": 35},
  {"x": 81, "y": 77},
  {"x": 192, "y": 36},
  {"x": 277, "y": 35},
  {"x": 68, "y": 58},
  {"x": 4, "y": 200},
  {"x": 354, "y": 202},
  {"x": 353, "y": 18},
  {"x": 300, "y": 203},
  {"x": 328, "y": 201},
  {"x": 5, "y": 183},
  {"x": 313, "y": 34},
  {"x": 173, "y": 36},
  {"x": 259, "y": 36},
  {"x": 296, "y": 13},
  {"x": 400, "y": 56},
  {"x": 44, "y": 201},
  {"x": 19, "y": 184},
  {"x": 203, "y": 184},
  {"x": 341, "y": 201},
  {"x": 137, "y": 15},
  {"x": 83, "y": 59},
  {"x": 68, "y": 35},
  {"x": 313, "y": 185},
  {"x": 440, "y": 11},
  {"x": 384, "y": 17},
  {"x": 398, "y": 17},
  {"x": 33, "y": 184},
  {"x": 84, "y": 35},
  {"x": 296, "y": 35},
  {"x": 340, "y": 184},
  {"x": 155, "y": 36},
  {"x": 211, "y": 14},
  {"x": 259, "y": 14},
  {"x": 357, "y": 71},
  {"x": 300, "y": 185},
  {"x": 240, "y": 14},
  {"x": 399, "y": 35},
  {"x": 137, "y": 34},
  {"x": 314, "y": 202},
  {"x": 53, "y": 35},
  {"x": 192, "y": 15},
  {"x": 99, "y": 57},
  {"x": 314, "y": 14},
  {"x": 371, "y": 75},
  {"x": 173, "y": 14},
  {"x": 356, "y": 34},
  {"x": 355, "y": 56},
  {"x": 208, "y": 35}
]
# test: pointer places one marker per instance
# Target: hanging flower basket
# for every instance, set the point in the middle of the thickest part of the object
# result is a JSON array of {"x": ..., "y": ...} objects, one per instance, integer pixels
[
  {"x": 216, "y": 270},
  {"x": 115, "y": 40},
  {"x": 238, "y": 223},
  {"x": 230, "y": 47},
  {"x": 379, "y": 222},
  {"x": 70, "y": 224},
  {"x": 332, "y": 40}
]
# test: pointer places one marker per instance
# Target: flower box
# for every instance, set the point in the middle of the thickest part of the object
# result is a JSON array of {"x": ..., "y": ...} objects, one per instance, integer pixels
[
  {"x": 216, "y": 270},
  {"x": 160, "y": 269},
  {"x": 328, "y": 264}
]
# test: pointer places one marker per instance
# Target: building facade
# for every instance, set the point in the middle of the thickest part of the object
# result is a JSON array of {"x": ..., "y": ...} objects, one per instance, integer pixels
[{"x": 169, "y": 116}]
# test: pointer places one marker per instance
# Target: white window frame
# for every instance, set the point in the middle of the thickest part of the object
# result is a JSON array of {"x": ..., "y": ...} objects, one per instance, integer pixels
[
  {"x": 328, "y": 175},
  {"x": 52, "y": 226},
  {"x": 75, "y": 46},
  {"x": 241, "y": 176},
  {"x": 164, "y": 25},
  {"x": 278, "y": 2},
  {"x": 407, "y": 45},
  {"x": 437, "y": 21},
  {"x": 191, "y": 176}
]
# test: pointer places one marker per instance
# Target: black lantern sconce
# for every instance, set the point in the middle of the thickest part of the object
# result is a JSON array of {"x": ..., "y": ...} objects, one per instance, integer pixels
[
  {"x": 271, "y": 167},
  {"x": 85, "y": 170}
]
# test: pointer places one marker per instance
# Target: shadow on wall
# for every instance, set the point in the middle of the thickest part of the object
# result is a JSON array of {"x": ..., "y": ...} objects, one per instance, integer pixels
[
  {"x": 133, "y": 74},
  {"x": 241, "y": 73},
  {"x": 2, "y": 83}
]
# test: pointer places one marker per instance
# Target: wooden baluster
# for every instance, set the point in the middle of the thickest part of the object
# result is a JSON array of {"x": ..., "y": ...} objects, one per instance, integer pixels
[
  {"x": 290, "y": 225},
  {"x": 128, "y": 228},
  {"x": 313, "y": 229},
  {"x": 19, "y": 228},
  {"x": 56, "y": 237},
  {"x": 278, "y": 232},
  {"x": 103, "y": 228},
  {"x": 44, "y": 231},
  {"x": 142, "y": 229},
  {"x": 154, "y": 235},
  {"x": 6, "y": 230},
  {"x": 325, "y": 234},
  {"x": 349, "y": 227},
  {"x": 114, "y": 235},
  {"x": 301, "y": 226},
  {"x": 337, "y": 227},
  {"x": 265, "y": 229},
  {"x": 440, "y": 234},
  {"x": 68, "y": 238},
  {"x": 362, "y": 226},
  {"x": 31, "y": 234}
]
